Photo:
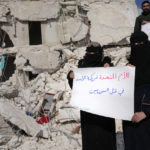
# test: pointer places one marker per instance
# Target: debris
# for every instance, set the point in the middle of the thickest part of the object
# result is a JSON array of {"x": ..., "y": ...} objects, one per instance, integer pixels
[
  {"x": 19, "y": 118},
  {"x": 6, "y": 132},
  {"x": 40, "y": 70}
]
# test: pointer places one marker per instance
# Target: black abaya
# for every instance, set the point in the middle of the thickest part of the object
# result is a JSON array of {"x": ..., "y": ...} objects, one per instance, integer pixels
[
  {"x": 137, "y": 135},
  {"x": 98, "y": 132}
]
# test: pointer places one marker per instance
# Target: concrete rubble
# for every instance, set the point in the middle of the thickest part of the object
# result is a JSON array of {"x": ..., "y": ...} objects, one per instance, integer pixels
[
  {"x": 37, "y": 87},
  {"x": 107, "y": 22},
  {"x": 64, "y": 119},
  {"x": 12, "y": 114},
  {"x": 6, "y": 132},
  {"x": 74, "y": 29}
]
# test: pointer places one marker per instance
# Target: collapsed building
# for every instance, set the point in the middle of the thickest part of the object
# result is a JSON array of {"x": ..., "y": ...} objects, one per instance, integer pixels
[{"x": 40, "y": 42}]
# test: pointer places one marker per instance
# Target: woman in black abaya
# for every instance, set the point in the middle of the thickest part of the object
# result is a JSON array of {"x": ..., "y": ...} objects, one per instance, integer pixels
[
  {"x": 137, "y": 132},
  {"x": 98, "y": 132}
]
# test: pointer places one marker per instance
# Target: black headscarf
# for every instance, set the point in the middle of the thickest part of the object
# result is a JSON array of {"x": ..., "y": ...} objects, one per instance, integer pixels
[
  {"x": 89, "y": 60},
  {"x": 108, "y": 61},
  {"x": 92, "y": 60},
  {"x": 140, "y": 57},
  {"x": 139, "y": 43},
  {"x": 138, "y": 37}
]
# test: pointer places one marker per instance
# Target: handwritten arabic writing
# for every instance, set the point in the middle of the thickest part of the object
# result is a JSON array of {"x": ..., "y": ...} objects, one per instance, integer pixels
[
  {"x": 110, "y": 91},
  {"x": 114, "y": 76},
  {"x": 91, "y": 78}
]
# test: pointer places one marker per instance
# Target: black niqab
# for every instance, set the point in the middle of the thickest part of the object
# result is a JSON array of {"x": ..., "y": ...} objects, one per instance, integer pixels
[
  {"x": 92, "y": 60},
  {"x": 140, "y": 57}
]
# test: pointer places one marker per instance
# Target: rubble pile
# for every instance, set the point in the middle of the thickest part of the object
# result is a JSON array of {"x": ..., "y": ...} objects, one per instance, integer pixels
[
  {"x": 39, "y": 107},
  {"x": 46, "y": 96},
  {"x": 40, "y": 42}
]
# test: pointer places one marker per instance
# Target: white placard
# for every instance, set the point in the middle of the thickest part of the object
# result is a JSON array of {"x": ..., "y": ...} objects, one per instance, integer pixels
[
  {"x": 146, "y": 29},
  {"x": 105, "y": 91}
]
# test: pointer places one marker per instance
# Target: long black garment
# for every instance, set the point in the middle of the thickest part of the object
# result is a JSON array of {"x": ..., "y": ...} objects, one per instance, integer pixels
[
  {"x": 137, "y": 135},
  {"x": 98, "y": 132}
]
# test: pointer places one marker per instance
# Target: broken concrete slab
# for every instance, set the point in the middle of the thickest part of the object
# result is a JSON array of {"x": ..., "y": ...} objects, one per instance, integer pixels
[
  {"x": 40, "y": 57},
  {"x": 35, "y": 10},
  {"x": 6, "y": 132},
  {"x": 73, "y": 29},
  {"x": 114, "y": 25},
  {"x": 20, "y": 119},
  {"x": 68, "y": 114},
  {"x": 11, "y": 92}
]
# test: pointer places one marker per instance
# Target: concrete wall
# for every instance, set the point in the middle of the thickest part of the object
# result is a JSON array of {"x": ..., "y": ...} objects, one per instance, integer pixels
[
  {"x": 49, "y": 33},
  {"x": 22, "y": 33},
  {"x": 18, "y": 32}
]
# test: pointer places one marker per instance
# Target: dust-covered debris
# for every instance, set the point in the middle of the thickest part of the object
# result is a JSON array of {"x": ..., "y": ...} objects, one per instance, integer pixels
[{"x": 35, "y": 96}]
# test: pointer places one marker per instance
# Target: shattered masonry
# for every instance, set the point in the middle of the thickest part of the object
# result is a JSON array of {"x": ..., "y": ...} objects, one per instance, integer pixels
[{"x": 40, "y": 42}]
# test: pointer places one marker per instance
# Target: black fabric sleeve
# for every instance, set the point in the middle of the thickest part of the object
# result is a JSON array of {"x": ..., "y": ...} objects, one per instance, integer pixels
[
  {"x": 147, "y": 114},
  {"x": 137, "y": 26},
  {"x": 131, "y": 59},
  {"x": 70, "y": 80}
]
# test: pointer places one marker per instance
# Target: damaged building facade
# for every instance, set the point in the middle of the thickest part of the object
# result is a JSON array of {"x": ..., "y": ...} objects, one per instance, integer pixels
[{"x": 40, "y": 42}]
